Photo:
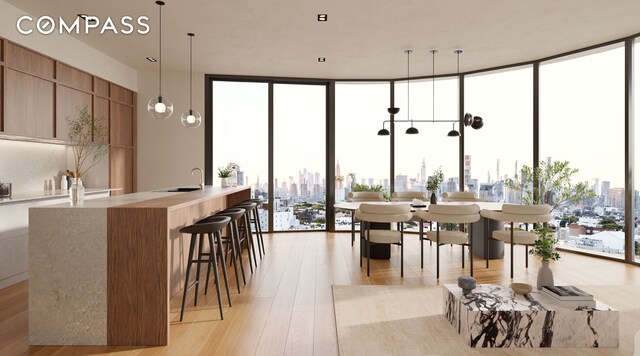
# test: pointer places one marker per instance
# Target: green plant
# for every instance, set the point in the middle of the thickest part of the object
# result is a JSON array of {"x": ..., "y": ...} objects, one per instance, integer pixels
[
  {"x": 554, "y": 185},
  {"x": 373, "y": 188},
  {"x": 224, "y": 172},
  {"x": 545, "y": 245},
  {"x": 435, "y": 180},
  {"x": 87, "y": 137}
]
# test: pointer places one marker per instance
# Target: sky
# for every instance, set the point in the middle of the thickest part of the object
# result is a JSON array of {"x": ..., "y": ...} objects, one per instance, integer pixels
[{"x": 581, "y": 120}]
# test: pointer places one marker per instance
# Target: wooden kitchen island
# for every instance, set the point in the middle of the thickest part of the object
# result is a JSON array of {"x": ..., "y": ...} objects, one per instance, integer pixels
[{"x": 103, "y": 273}]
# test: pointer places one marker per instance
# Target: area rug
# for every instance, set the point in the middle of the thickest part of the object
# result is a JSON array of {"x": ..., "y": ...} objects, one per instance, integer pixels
[{"x": 407, "y": 320}]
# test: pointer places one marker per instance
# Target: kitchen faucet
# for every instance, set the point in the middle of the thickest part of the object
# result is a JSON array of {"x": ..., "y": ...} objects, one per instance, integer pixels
[{"x": 201, "y": 176}]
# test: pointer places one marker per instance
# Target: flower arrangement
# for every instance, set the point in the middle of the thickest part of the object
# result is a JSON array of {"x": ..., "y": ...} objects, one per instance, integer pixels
[
  {"x": 87, "y": 138},
  {"x": 545, "y": 245},
  {"x": 435, "y": 180},
  {"x": 224, "y": 172}
]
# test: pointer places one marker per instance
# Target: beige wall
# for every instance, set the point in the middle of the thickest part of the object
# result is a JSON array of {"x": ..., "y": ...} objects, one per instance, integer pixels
[
  {"x": 67, "y": 49},
  {"x": 167, "y": 151}
]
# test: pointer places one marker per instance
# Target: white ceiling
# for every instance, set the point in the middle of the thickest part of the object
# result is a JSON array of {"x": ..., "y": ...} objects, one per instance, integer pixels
[{"x": 361, "y": 39}]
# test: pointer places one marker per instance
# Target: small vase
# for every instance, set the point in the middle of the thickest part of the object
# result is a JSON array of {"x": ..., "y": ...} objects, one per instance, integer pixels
[
  {"x": 76, "y": 192},
  {"x": 545, "y": 276},
  {"x": 224, "y": 182},
  {"x": 434, "y": 199}
]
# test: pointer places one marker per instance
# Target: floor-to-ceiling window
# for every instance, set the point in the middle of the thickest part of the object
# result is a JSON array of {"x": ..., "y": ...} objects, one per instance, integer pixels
[
  {"x": 299, "y": 145},
  {"x": 240, "y": 135},
  {"x": 582, "y": 122},
  {"x": 361, "y": 109},
  {"x": 417, "y": 156},
  {"x": 636, "y": 115},
  {"x": 496, "y": 153}
]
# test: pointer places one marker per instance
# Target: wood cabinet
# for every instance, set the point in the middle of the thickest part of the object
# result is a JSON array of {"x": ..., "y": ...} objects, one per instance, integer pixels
[
  {"x": 38, "y": 93},
  {"x": 120, "y": 169},
  {"x": 28, "y": 61},
  {"x": 30, "y": 106},
  {"x": 69, "y": 103},
  {"x": 121, "y": 125}
]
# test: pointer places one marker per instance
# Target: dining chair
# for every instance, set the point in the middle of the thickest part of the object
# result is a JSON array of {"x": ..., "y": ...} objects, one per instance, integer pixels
[
  {"x": 512, "y": 213},
  {"x": 460, "y": 196},
  {"x": 453, "y": 215},
  {"x": 361, "y": 197},
  {"x": 409, "y": 197},
  {"x": 383, "y": 213}
]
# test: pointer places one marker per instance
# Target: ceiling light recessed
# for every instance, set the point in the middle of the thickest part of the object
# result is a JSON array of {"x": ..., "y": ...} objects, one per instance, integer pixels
[
  {"x": 86, "y": 17},
  {"x": 322, "y": 59},
  {"x": 322, "y": 17},
  {"x": 151, "y": 59}
]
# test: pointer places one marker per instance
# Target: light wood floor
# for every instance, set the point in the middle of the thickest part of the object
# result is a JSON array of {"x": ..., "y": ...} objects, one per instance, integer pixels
[{"x": 286, "y": 308}]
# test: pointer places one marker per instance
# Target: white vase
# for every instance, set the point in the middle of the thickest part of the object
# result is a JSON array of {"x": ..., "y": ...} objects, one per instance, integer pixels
[
  {"x": 224, "y": 182},
  {"x": 545, "y": 275},
  {"x": 76, "y": 192}
]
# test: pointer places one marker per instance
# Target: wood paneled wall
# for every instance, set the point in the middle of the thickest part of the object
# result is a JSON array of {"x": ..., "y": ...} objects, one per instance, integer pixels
[{"x": 38, "y": 93}]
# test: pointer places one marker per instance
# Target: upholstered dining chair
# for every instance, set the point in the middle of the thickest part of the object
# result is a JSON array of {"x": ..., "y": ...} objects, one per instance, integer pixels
[
  {"x": 450, "y": 214},
  {"x": 460, "y": 196},
  {"x": 408, "y": 197},
  {"x": 383, "y": 213},
  {"x": 528, "y": 214},
  {"x": 362, "y": 197}
]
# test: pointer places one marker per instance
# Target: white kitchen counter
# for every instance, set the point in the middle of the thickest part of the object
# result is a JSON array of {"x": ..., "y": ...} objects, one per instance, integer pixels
[{"x": 47, "y": 195}]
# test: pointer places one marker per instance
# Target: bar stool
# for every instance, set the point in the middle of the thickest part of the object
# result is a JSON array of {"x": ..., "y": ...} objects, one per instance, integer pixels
[
  {"x": 256, "y": 221},
  {"x": 246, "y": 228},
  {"x": 211, "y": 228},
  {"x": 253, "y": 219},
  {"x": 234, "y": 240}
]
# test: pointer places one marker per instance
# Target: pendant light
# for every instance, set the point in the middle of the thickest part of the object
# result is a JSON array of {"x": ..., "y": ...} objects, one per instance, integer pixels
[
  {"x": 454, "y": 132},
  {"x": 433, "y": 84},
  {"x": 411, "y": 130},
  {"x": 191, "y": 118},
  {"x": 160, "y": 108}
]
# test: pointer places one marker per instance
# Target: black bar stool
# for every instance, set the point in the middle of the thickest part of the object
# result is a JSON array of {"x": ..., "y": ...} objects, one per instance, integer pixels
[
  {"x": 212, "y": 228},
  {"x": 256, "y": 221},
  {"x": 246, "y": 228},
  {"x": 233, "y": 242},
  {"x": 252, "y": 207}
]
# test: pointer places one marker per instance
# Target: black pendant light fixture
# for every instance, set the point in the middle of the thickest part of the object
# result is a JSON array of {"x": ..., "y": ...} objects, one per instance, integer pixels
[
  {"x": 411, "y": 130},
  {"x": 454, "y": 132},
  {"x": 160, "y": 108},
  {"x": 191, "y": 118},
  {"x": 433, "y": 84}
]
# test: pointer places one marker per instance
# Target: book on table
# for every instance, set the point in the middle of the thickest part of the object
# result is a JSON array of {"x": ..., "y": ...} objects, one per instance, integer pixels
[
  {"x": 575, "y": 303},
  {"x": 567, "y": 293}
]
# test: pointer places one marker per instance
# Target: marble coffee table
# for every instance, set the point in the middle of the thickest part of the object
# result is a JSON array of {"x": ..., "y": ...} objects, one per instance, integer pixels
[{"x": 493, "y": 316}]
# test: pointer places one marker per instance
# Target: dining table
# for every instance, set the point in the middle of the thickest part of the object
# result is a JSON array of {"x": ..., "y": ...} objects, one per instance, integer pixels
[{"x": 483, "y": 246}]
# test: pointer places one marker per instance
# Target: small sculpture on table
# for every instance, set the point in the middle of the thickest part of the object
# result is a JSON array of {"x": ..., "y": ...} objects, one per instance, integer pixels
[{"x": 467, "y": 283}]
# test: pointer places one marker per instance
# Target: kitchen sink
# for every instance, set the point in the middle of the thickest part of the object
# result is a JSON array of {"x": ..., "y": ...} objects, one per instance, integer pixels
[{"x": 180, "y": 189}]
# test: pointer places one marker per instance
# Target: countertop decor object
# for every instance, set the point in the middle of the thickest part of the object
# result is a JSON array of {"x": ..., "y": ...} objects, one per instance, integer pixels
[
  {"x": 5, "y": 190},
  {"x": 466, "y": 283},
  {"x": 521, "y": 288},
  {"x": 87, "y": 137}
]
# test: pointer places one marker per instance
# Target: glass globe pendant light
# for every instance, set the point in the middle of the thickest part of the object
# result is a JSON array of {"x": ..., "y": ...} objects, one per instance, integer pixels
[
  {"x": 160, "y": 108},
  {"x": 191, "y": 118}
]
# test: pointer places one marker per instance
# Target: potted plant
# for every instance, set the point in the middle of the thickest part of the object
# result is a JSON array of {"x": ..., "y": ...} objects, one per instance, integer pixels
[
  {"x": 88, "y": 139},
  {"x": 434, "y": 183},
  {"x": 545, "y": 248},
  {"x": 224, "y": 173},
  {"x": 549, "y": 184}
]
